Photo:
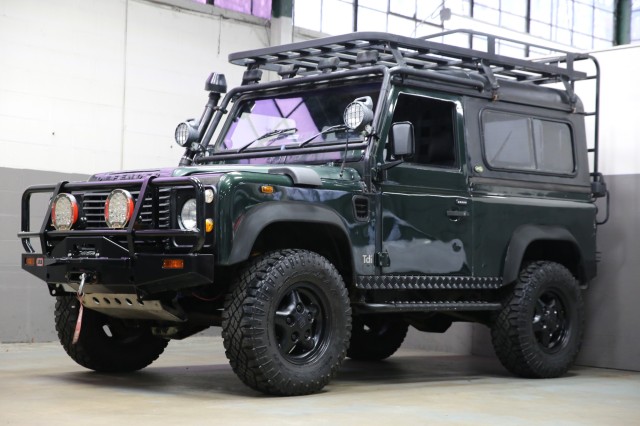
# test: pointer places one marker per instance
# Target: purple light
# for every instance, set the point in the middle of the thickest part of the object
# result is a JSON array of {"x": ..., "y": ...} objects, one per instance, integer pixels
[
  {"x": 242, "y": 6},
  {"x": 262, "y": 8}
]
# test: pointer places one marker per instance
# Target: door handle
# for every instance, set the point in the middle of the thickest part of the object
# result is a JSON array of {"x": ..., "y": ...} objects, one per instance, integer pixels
[{"x": 457, "y": 214}]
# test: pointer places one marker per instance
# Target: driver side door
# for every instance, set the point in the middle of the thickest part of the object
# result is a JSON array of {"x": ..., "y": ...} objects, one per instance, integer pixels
[{"x": 426, "y": 209}]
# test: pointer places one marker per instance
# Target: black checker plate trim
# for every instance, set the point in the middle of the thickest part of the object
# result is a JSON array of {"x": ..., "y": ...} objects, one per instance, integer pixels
[
  {"x": 426, "y": 306},
  {"x": 426, "y": 282}
]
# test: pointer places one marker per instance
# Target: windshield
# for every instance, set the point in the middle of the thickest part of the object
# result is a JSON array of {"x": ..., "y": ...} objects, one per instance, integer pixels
[{"x": 298, "y": 119}]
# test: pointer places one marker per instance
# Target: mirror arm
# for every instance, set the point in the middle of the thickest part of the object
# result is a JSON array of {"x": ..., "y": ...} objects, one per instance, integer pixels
[{"x": 380, "y": 168}]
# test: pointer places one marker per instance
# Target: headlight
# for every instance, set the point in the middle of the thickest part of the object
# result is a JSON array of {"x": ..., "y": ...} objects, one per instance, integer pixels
[
  {"x": 359, "y": 113},
  {"x": 188, "y": 216},
  {"x": 186, "y": 133},
  {"x": 118, "y": 208},
  {"x": 64, "y": 212}
]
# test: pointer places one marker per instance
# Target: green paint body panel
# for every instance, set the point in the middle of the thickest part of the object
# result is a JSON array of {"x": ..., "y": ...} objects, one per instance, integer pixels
[{"x": 455, "y": 221}]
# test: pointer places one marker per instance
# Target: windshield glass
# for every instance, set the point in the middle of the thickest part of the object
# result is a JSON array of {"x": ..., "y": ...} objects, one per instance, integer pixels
[{"x": 310, "y": 118}]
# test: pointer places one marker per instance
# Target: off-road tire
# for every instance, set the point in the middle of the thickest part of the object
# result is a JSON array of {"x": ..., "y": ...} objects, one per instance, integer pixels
[
  {"x": 376, "y": 337},
  {"x": 279, "y": 297},
  {"x": 105, "y": 344},
  {"x": 538, "y": 333}
]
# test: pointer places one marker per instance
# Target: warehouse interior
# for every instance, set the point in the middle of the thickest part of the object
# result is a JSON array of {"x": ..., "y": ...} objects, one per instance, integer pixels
[{"x": 99, "y": 85}]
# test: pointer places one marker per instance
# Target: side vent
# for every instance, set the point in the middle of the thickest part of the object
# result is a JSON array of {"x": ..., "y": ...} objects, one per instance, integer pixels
[{"x": 361, "y": 208}]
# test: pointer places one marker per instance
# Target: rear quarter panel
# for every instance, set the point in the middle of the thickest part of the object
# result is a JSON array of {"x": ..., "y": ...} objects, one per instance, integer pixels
[{"x": 504, "y": 200}]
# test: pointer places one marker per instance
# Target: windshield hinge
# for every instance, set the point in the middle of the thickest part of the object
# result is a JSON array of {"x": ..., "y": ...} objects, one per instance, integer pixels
[{"x": 382, "y": 259}]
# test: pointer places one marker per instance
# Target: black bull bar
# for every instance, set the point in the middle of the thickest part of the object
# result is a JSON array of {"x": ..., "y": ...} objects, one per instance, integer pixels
[{"x": 122, "y": 266}]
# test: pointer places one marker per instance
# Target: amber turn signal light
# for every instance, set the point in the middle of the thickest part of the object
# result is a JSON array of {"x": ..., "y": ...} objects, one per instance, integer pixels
[{"x": 172, "y": 264}]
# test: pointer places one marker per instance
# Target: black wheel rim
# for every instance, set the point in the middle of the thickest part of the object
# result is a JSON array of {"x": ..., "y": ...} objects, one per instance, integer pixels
[
  {"x": 301, "y": 328},
  {"x": 551, "y": 323}
]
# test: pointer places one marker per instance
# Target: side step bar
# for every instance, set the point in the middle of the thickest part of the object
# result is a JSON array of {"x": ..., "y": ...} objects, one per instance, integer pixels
[{"x": 425, "y": 306}]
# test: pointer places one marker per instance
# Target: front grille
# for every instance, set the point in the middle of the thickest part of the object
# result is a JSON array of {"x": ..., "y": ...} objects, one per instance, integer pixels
[{"x": 93, "y": 209}]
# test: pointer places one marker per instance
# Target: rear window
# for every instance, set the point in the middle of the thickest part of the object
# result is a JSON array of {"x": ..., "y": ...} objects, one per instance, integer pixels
[{"x": 518, "y": 142}]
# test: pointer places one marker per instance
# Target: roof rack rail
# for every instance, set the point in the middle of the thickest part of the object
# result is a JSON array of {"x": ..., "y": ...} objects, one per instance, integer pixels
[{"x": 357, "y": 50}]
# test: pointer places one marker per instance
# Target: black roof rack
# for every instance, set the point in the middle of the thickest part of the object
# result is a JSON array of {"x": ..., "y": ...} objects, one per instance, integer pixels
[{"x": 357, "y": 50}]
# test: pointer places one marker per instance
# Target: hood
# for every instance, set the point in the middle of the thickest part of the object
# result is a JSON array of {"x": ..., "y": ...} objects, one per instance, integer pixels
[{"x": 299, "y": 174}]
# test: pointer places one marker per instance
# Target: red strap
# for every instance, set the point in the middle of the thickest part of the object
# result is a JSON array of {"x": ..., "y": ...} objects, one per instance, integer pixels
[{"x": 76, "y": 333}]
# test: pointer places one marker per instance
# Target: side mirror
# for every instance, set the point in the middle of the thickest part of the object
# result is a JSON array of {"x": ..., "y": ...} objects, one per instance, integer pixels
[{"x": 402, "y": 139}]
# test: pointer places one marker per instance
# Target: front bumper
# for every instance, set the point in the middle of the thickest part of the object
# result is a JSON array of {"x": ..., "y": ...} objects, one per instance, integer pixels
[{"x": 144, "y": 274}]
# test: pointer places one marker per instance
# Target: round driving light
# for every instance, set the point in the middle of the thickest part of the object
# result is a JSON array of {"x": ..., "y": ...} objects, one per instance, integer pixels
[
  {"x": 64, "y": 212},
  {"x": 354, "y": 115},
  {"x": 188, "y": 215},
  {"x": 118, "y": 208},
  {"x": 358, "y": 113},
  {"x": 185, "y": 134}
]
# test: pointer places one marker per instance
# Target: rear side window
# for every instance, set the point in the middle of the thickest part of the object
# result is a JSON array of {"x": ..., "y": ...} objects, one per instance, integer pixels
[{"x": 517, "y": 142}]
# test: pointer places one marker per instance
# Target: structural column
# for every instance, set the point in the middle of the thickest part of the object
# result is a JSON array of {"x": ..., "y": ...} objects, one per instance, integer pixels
[
  {"x": 281, "y": 22},
  {"x": 623, "y": 22}
]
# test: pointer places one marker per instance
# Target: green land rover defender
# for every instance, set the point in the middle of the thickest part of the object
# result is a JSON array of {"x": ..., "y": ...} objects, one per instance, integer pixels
[{"x": 373, "y": 182}]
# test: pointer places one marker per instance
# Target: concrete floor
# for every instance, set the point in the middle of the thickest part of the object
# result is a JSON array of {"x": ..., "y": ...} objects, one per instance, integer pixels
[{"x": 193, "y": 384}]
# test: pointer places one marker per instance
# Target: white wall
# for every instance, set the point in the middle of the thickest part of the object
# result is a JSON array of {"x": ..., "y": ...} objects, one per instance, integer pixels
[
  {"x": 611, "y": 335},
  {"x": 620, "y": 110},
  {"x": 96, "y": 85},
  {"x": 100, "y": 85}
]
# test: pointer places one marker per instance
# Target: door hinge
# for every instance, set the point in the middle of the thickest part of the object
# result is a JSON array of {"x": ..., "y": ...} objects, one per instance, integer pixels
[{"x": 382, "y": 259}]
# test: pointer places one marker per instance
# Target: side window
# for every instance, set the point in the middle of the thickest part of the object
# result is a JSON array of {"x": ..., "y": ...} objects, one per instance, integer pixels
[
  {"x": 517, "y": 142},
  {"x": 432, "y": 121},
  {"x": 553, "y": 146},
  {"x": 507, "y": 143}
]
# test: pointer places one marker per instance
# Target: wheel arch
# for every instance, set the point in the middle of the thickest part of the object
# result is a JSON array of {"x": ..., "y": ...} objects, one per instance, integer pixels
[
  {"x": 280, "y": 225},
  {"x": 541, "y": 242}
]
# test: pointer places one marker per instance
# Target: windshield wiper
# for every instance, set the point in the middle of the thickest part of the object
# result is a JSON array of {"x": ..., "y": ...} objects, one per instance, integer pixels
[
  {"x": 268, "y": 135},
  {"x": 327, "y": 130}
]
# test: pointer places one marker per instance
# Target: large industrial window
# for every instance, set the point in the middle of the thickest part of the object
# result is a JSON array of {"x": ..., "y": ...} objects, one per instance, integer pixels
[
  {"x": 517, "y": 142},
  {"x": 635, "y": 21},
  {"x": 412, "y": 18},
  {"x": 584, "y": 24}
]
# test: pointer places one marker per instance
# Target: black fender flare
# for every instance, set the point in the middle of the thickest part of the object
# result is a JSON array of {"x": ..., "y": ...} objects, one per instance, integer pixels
[
  {"x": 523, "y": 236},
  {"x": 263, "y": 215}
]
